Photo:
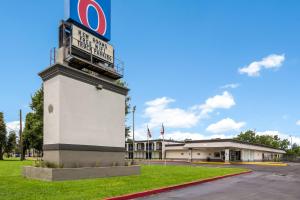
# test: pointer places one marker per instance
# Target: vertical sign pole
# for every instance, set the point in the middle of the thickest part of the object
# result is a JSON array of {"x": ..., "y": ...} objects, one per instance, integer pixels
[
  {"x": 133, "y": 129},
  {"x": 147, "y": 148},
  {"x": 164, "y": 150},
  {"x": 21, "y": 138}
]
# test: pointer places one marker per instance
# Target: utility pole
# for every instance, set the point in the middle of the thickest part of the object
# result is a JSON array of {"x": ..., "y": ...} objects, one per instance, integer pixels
[
  {"x": 133, "y": 127},
  {"x": 21, "y": 138}
]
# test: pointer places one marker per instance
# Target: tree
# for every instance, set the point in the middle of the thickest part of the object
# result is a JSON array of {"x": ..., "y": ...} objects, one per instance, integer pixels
[
  {"x": 127, "y": 105},
  {"x": 284, "y": 144},
  {"x": 268, "y": 140},
  {"x": 33, "y": 131},
  {"x": 248, "y": 136},
  {"x": 265, "y": 140},
  {"x": 11, "y": 143},
  {"x": 2, "y": 135},
  {"x": 294, "y": 151}
]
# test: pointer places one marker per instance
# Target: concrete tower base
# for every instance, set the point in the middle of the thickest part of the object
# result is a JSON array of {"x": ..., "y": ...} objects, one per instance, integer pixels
[
  {"x": 84, "y": 126},
  {"x": 64, "y": 174}
]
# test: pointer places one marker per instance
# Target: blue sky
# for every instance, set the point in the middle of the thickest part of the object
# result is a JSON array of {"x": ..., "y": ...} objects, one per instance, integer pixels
[{"x": 179, "y": 55}]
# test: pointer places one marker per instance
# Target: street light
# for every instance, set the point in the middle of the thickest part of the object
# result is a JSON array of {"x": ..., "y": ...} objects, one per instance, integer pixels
[{"x": 133, "y": 126}]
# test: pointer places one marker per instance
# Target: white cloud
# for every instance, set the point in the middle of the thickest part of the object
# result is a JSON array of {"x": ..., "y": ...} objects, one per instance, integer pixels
[
  {"x": 296, "y": 139},
  {"x": 231, "y": 86},
  {"x": 160, "y": 102},
  {"x": 225, "y": 125},
  {"x": 178, "y": 135},
  {"x": 140, "y": 133},
  {"x": 158, "y": 111},
  {"x": 298, "y": 123},
  {"x": 13, "y": 126},
  {"x": 273, "y": 61},
  {"x": 224, "y": 101}
]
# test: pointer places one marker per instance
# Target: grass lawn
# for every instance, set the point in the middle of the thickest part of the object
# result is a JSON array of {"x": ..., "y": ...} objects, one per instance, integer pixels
[{"x": 14, "y": 186}]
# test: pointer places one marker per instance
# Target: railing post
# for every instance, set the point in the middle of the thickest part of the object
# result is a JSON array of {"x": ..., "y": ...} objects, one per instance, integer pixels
[
  {"x": 92, "y": 55},
  {"x": 70, "y": 43},
  {"x": 50, "y": 56},
  {"x": 54, "y": 55}
]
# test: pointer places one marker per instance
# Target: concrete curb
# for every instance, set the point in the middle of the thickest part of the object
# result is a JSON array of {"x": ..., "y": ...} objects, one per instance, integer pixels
[{"x": 174, "y": 187}]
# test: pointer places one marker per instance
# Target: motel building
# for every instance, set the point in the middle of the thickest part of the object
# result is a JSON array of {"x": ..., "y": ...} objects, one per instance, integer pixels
[
  {"x": 221, "y": 150},
  {"x": 155, "y": 149}
]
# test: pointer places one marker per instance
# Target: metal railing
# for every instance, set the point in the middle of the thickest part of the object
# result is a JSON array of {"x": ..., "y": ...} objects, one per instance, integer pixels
[{"x": 117, "y": 67}]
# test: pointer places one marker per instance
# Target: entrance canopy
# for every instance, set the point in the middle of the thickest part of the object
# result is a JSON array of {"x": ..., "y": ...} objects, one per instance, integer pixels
[{"x": 228, "y": 144}]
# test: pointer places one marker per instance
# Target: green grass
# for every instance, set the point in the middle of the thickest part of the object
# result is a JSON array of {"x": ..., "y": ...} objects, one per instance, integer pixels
[{"x": 14, "y": 186}]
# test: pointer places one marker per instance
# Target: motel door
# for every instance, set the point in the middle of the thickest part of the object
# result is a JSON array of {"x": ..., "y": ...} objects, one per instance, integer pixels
[
  {"x": 235, "y": 155},
  {"x": 223, "y": 155},
  {"x": 130, "y": 155},
  {"x": 148, "y": 155}
]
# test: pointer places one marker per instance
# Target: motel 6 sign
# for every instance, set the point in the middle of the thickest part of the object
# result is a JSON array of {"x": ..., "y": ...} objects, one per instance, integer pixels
[{"x": 93, "y": 15}]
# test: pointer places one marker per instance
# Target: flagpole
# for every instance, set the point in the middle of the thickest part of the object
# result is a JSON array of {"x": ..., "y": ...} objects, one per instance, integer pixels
[
  {"x": 148, "y": 148},
  {"x": 162, "y": 132},
  {"x": 164, "y": 150}
]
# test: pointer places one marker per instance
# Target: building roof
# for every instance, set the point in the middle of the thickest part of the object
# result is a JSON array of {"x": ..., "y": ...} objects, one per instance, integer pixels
[
  {"x": 230, "y": 140},
  {"x": 174, "y": 145},
  {"x": 157, "y": 140}
]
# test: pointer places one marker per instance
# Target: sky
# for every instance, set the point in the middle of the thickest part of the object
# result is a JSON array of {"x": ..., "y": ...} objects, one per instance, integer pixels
[{"x": 206, "y": 69}]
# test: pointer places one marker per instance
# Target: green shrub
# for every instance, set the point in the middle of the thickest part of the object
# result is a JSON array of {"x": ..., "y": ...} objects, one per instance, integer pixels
[{"x": 46, "y": 164}]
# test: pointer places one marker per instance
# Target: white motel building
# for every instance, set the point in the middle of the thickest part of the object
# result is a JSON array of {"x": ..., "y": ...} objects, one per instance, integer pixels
[{"x": 225, "y": 150}]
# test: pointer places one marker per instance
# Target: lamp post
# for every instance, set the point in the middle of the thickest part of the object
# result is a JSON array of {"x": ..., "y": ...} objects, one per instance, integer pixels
[
  {"x": 21, "y": 138},
  {"x": 133, "y": 127}
]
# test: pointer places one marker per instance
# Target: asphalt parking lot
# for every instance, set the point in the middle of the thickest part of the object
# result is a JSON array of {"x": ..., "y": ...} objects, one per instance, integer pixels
[{"x": 267, "y": 183}]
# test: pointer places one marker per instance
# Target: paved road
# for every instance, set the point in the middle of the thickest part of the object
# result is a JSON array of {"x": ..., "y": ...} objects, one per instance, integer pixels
[{"x": 265, "y": 183}]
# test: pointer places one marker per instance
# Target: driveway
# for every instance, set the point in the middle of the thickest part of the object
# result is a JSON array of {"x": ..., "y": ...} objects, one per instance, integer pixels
[{"x": 267, "y": 183}]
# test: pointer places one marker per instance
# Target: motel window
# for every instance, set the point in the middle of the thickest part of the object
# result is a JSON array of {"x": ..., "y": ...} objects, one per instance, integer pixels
[{"x": 217, "y": 155}]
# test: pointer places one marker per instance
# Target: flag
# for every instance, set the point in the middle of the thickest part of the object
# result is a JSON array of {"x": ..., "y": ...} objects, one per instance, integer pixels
[
  {"x": 149, "y": 132},
  {"x": 162, "y": 131}
]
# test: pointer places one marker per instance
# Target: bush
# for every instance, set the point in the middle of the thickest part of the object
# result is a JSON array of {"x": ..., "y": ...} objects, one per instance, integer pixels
[{"x": 46, "y": 164}]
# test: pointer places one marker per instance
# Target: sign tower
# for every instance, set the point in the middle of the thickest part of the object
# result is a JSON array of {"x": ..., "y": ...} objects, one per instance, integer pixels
[{"x": 84, "y": 108}]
